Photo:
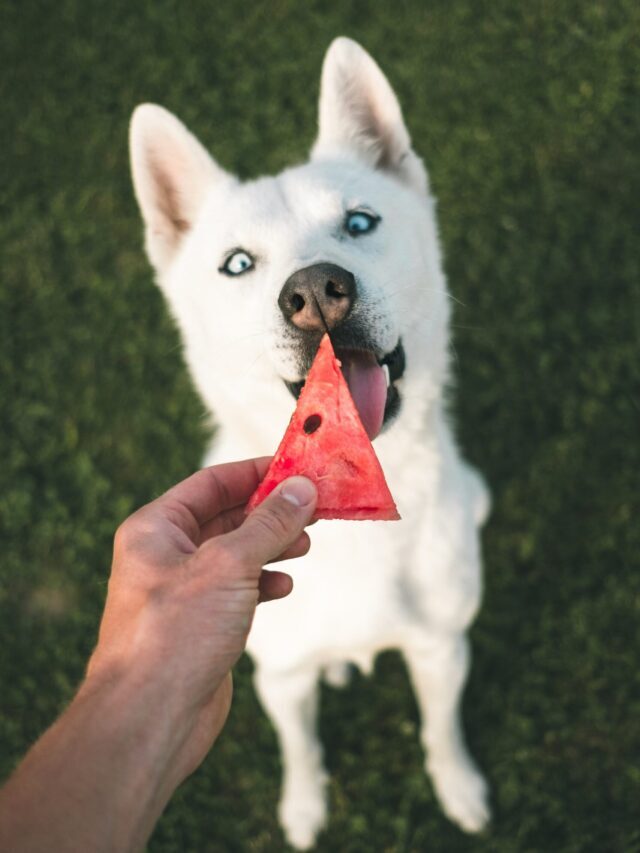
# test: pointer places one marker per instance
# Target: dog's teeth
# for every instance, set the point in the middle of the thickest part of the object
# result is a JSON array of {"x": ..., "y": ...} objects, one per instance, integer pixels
[{"x": 385, "y": 367}]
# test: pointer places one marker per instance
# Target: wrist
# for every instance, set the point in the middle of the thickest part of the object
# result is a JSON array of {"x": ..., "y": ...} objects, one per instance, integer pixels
[
  {"x": 135, "y": 697},
  {"x": 154, "y": 681}
]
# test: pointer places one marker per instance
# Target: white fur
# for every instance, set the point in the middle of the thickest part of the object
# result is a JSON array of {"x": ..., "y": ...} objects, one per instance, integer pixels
[{"x": 414, "y": 585}]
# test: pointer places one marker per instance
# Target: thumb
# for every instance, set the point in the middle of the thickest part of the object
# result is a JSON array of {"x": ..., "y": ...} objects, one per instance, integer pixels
[{"x": 275, "y": 524}]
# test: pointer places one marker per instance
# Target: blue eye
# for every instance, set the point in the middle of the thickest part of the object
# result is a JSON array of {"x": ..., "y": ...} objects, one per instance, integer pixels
[
  {"x": 237, "y": 263},
  {"x": 359, "y": 222}
]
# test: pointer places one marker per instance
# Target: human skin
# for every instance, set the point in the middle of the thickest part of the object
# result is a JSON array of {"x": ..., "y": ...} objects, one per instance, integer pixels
[{"x": 186, "y": 577}]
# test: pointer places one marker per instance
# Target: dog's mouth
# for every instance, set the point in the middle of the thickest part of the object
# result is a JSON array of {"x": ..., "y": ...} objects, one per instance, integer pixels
[{"x": 371, "y": 380}]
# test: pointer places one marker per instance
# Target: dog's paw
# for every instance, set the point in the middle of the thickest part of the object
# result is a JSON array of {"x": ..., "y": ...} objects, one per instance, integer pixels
[
  {"x": 463, "y": 793},
  {"x": 302, "y": 819},
  {"x": 337, "y": 674}
]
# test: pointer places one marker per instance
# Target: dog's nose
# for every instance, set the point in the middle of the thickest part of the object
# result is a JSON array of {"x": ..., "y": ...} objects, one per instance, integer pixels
[{"x": 318, "y": 297}]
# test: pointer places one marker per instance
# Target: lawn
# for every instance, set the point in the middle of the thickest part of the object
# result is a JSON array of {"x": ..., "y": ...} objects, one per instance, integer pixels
[{"x": 528, "y": 117}]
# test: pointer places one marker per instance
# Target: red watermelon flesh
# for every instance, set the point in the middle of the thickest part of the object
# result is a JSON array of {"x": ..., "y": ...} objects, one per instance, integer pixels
[{"x": 326, "y": 442}]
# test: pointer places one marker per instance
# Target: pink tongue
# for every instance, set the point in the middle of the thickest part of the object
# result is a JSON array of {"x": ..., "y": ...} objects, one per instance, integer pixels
[{"x": 368, "y": 387}]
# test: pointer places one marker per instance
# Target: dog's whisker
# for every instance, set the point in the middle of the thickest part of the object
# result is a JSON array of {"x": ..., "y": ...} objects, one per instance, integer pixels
[
  {"x": 470, "y": 326},
  {"x": 455, "y": 299},
  {"x": 223, "y": 348},
  {"x": 260, "y": 357}
]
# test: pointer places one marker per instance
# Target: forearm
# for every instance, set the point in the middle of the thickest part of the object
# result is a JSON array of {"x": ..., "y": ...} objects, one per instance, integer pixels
[
  {"x": 100, "y": 777},
  {"x": 186, "y": 578}
]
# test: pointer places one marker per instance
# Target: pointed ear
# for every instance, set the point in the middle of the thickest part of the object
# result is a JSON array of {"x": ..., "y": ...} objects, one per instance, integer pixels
[
  {"x": 360, "y": 116},
  {"x": 172, "y": 174}
]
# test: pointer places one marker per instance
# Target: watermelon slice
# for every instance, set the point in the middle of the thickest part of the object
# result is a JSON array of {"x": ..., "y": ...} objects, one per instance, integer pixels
[{"x": 326, "y": 442}]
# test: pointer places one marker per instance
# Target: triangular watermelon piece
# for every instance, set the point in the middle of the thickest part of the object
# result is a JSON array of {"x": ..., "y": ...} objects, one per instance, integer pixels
[{"x": 326, "y": 442}]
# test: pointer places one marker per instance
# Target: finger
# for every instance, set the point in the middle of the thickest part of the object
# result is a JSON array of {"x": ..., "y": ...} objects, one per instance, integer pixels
[
  {"x": 273, "y": 585},
  {"x": 226, "y": 522},
  {"x": 274, "y": 525},
  {"x": 298, "y": 549},
  {"x": 213, "y": 490},
  {"x": 223, "y": 523},
  {"x": 233, "y": 518}
]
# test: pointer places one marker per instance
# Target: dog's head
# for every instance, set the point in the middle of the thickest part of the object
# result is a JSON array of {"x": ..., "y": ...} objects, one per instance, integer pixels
[{"x": 256, "y": 272}]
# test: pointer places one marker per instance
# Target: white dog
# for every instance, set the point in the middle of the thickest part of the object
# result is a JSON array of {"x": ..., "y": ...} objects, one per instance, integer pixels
[{"x": 246, "y": 268}]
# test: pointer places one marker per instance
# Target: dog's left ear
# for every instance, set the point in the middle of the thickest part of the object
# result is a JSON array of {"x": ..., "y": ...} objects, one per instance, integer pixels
[{"x": 360, "y": 116}]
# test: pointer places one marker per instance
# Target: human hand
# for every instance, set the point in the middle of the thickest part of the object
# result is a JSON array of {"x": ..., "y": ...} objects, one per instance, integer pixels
[{"x": 187, "y": 575}]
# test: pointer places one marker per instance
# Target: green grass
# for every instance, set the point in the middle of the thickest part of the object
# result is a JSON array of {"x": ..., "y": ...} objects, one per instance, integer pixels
[{"x": 527, "y": 115}]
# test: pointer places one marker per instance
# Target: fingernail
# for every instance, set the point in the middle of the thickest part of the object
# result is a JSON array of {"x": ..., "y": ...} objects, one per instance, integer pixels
[{"x": 298, "y": 491}]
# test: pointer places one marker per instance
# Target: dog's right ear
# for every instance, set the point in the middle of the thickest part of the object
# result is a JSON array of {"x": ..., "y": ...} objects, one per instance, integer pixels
[{"x": 172, "y": 174}]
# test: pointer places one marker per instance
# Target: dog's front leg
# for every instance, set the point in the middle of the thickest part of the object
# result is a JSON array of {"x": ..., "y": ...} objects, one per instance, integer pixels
[
  {"x": 291, "y": 700},
  {"x": 438, "y": 667}
]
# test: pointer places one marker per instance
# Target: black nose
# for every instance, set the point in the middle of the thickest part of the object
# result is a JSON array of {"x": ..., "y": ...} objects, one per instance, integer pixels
[{"x": 318, "y": 297}]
